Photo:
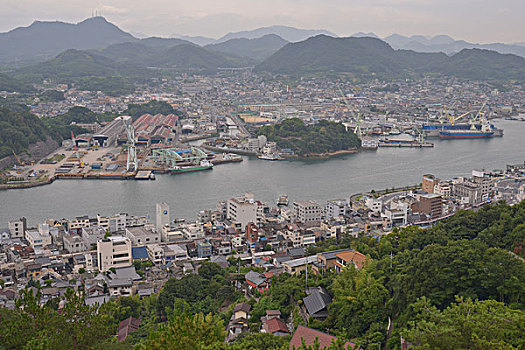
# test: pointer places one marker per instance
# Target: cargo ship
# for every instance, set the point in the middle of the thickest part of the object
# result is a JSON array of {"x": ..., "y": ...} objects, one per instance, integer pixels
[
  {"x": 435, "y": 130},
  {"x": 204, "y": 165},
  {"x": 473, "y": 133}
]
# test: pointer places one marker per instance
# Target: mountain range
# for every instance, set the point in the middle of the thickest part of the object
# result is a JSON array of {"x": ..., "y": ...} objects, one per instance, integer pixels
[
  {"x": 257, "y": 49},
  {"x": 287, "y": 33},
  {"x": 95, "y": 54},
  {"x": 445, "y": 44},
  {"x": 365, "y": 55}
]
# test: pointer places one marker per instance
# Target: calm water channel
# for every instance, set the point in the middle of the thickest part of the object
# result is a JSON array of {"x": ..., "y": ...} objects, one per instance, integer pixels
[{"x": 319, "y": 180}]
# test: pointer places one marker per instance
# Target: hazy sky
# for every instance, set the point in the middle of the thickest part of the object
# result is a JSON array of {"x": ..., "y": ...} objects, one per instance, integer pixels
[{"x": 472, "y": 20}]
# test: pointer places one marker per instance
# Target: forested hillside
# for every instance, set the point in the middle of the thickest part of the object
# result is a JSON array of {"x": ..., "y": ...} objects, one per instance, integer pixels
[
  {"x": 19, "y": 129},
  {"x": 365, "y": 56},
  {"x": 322, "y": 137}
]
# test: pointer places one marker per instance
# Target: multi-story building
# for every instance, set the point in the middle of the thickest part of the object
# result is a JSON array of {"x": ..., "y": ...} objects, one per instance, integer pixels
[
  {"x": 429, "y": 204},
  {"x": 78, "y": 223},
  {"x": 163, "y": 216},
  {"x": 103, "y": 221},
  {"x": 428, "y": 183},
  {"x": 91, "y": 235},
  {"x": 114, "y": 252},
  {"x": 308, "y": 212},
  {"x": 374, "y": 204},
  {"x": 38, "y": 239},
  {"x": 475, "y": 190},
  {"x": 17, "y": 228},
  {"x": 204, "y": 249},
  {"x": 192, "y": 231},
  {"x": 117, "y": 223},
  {"x": 397, "y": 213},
  {"x": 443, "y": 189},
  {"x": 169, "y": 234},
  {"x": 336, "y": 208},
  {"x": 74, "y": 244},
  {"x": 205, "y": 216},
  {"x": 243, "y": 210},
  {"x": 155, "y": 253},
  {"x": 142, "y": 236}
]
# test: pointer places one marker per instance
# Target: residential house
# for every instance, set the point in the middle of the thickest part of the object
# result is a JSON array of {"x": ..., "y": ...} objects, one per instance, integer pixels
[
  {"x": 309, "y": 336},
  {"x": 316, "y": 304},
  {"x": 346, "y": 258}
]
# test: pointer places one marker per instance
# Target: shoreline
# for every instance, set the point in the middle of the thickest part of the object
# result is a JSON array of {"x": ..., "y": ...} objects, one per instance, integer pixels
[{"x": 327, "y": 155}]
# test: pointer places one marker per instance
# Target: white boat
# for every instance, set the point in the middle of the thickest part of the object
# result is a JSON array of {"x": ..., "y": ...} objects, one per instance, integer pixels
[
  {"x": 269, "y": 157},
  {"x": 283, "y": 200}
]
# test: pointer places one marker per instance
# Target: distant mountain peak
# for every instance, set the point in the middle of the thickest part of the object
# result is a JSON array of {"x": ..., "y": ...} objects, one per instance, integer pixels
[
  {"x": 288, "y": 33},
  {"x": 45, "y": 39},
  {"x": 362, "y": 35}
]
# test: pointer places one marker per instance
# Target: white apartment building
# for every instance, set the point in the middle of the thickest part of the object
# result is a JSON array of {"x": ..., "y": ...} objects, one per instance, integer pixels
[
  {"x": 155, "y": 253},
  {"x": 336, "y": 208},
  {"x": 243, "y": 210},
  {"x": 192, "y": 231},
  {"x": 169, "y": 235},
  {"x": 374, "y": 204},
  {"x": 103, "y": 221},
  {"x": 307, "y": 212},
  {"x": 443, "y": 189},
  {"x": 17, "y": 228},
  {"x": 141, "y": 235},
  {"x": 114, "y": 252},
  {"x": 38, "y": 239}
]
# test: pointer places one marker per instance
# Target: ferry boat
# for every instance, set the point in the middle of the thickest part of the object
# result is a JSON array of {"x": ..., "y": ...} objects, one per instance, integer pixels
[
  {"x": 283, "y": 200},
  {"x": 204, "y": 165}
]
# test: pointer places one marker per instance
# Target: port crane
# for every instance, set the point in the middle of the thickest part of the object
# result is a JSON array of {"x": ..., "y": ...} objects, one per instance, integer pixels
[
  {"x": 132, "y": 161},
  {"x": 80, "y": 163},
  {"x": 479, "y": 117},
  {"x": 453, "y": 119},
  {"x": 357, "y": 130}
]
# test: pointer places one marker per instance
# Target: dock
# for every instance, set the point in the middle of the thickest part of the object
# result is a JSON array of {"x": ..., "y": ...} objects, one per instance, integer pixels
[
  {"x": 405, "y": 143},
  {"x": 144, "y": 175}
]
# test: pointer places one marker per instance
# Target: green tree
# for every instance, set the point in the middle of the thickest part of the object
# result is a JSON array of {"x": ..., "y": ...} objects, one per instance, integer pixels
[
  {"x": 186, "y": 332},
  {"x": 466, "y": 324}
]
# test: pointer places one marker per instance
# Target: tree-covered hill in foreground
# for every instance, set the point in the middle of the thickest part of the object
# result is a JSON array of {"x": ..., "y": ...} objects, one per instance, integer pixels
[
  {"x": 457, "y": 285},
  {"x": 304, "y": 140}
]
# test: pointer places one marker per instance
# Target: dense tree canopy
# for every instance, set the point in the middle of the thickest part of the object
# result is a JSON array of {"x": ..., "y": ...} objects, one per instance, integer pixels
[
  {"x": 323, "y": 137},
  {"x": 19, "y": 129},
  {"x": 466, "y": 324},
  {"x": 152, "y": 107}
]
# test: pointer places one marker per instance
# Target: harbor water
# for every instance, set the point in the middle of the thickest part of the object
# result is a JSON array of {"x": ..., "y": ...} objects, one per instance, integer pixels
[{"x": 319, "y": 180}]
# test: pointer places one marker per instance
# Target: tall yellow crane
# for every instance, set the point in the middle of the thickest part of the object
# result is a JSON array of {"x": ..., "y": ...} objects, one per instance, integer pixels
[
  {"x": 453, "y": 119},
  {"x": 17, "y": 159}
]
